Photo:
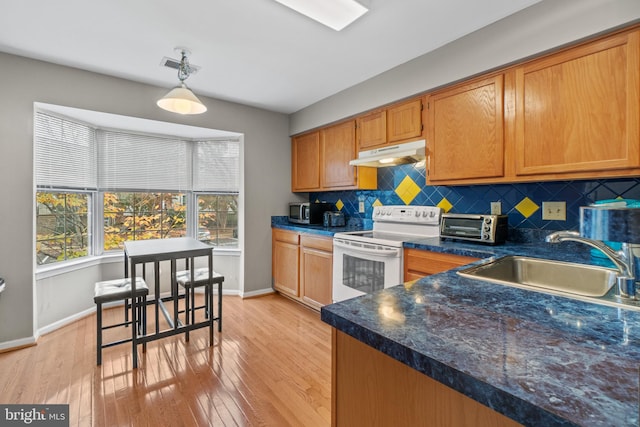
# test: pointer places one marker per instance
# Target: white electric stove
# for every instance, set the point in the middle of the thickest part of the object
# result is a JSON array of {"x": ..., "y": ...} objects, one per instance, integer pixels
[{"x": 367, "y": 261}]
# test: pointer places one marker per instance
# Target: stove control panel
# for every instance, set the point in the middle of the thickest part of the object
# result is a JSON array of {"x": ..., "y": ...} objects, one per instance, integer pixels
[{"x": 407, "y": 214}]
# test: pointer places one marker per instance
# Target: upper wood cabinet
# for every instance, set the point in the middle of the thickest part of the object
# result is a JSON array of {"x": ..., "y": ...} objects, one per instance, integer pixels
[
  {"x": 579, "y": 110},
  {"x": 465, "y": 131},
  {"x": 396, "y": 123},
  {"x": 305, "y": 162},
  {"x": 372, "y": 130},
  {"x": 338, "y": 147},
  {"x": 404, "y": 121},
  {"x": 320, "y": 161}
]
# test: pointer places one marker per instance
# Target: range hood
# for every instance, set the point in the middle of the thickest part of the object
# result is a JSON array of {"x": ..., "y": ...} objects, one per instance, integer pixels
[{"x": 408, "y": 152}]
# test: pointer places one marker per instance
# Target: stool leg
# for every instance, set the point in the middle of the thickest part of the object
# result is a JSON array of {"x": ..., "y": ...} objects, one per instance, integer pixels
[
  {"x": 219, "y": 306},
  {"x": 187, "y": 304},
  {"x": 126, "y": 311},
  {"x": 99, "y": 333}
]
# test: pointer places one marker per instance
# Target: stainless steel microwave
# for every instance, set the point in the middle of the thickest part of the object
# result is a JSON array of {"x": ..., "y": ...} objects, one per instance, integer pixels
[
  {"x": 308, "y": 213},
  {"x": 483, "y": 228}
]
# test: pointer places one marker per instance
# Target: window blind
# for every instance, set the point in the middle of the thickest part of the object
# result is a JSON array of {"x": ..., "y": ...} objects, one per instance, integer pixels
[
  {"x": 65, "y": 155},
  {"x": 142, "y": 162},
  {"x": 216, "y": 166}
]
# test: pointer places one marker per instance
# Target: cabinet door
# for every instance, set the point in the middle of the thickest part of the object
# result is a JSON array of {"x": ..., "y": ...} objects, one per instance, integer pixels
[
  {"x": 337, "y": 148},
  {"x": 404, "y": 121},
  {"x": 316, "y": 270},
  {"x": 372, "y": 130},
  {"x": 420, "y": 263},
  {"x": 465, "y": 131},
  {"x": 285, "y": 260},
  {"x": 578, "y": 110},
  {"x": 305, "y": 162}
]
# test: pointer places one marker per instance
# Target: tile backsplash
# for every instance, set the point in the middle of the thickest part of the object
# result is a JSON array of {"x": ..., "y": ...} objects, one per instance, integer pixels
[{"x": 405, "y": 185}]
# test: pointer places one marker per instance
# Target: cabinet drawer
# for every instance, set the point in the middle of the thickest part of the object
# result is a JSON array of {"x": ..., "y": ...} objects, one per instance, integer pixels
[
  {"x": 286, "y": 236},
  {"x": 317, "y": 242},
  {"x": 419, "y": 263}
]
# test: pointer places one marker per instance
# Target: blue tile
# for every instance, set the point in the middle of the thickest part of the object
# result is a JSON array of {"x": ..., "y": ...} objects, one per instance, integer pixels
[{"x": 476, "y": 199}]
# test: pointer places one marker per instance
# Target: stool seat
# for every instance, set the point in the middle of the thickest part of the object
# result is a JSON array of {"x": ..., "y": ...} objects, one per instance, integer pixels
[
  {"x": 201, "y": 277},
  {"x": 118, "y": 289}
]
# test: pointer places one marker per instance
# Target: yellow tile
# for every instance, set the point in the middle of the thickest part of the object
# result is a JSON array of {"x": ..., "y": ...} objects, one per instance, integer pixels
[
  {"x": 407, "y": 190},
  {"x": 445, "y": 205},
  {"x": 377, "y": 203},
  {"x": 527, "y": 207},
  {"x": 339, "y": 205}
]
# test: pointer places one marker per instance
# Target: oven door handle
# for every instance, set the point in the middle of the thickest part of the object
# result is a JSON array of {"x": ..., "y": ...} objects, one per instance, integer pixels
[{"x": 387, "y": 252}]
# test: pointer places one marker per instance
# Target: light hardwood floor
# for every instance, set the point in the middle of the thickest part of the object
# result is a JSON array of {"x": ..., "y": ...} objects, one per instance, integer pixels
[{"x": 270, "y": 366}]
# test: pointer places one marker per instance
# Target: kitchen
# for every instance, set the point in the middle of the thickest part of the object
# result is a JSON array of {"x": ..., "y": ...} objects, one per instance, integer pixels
[{"x": 267, "y": 133}]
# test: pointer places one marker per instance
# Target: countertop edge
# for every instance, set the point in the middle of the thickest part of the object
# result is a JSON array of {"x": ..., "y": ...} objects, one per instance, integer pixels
[{"x": 527, "y": 414}]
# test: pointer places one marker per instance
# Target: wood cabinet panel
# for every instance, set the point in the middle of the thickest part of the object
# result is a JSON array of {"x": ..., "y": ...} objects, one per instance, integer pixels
[
  {"x": 465, "y": 131},
  {"x": 316, "y": 270},
  {"x": 370, "y": 388},
  {"x": 579, "y": 110},
  {"x": 305, "y": 162},
  {"x": 338, "y": 147},
  {"x": 420, "y": 263},
  {"x": 285, "y": 260},
  {"x": 372, "y": 130},
  {"x": 404, "y": 121}
]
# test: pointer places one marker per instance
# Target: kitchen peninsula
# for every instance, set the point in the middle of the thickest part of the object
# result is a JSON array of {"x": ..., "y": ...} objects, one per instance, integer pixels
[{"x": 538, "y": 359}]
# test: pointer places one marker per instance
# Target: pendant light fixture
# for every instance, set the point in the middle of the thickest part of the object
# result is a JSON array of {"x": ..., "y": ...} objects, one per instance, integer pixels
[{"x": 180, "y": 99}]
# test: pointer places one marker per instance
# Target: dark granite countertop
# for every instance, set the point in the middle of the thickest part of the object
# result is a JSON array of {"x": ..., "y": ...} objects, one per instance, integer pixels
[
  {"x": 283, "y": 223},
  {"x": 539, "y": 359}
]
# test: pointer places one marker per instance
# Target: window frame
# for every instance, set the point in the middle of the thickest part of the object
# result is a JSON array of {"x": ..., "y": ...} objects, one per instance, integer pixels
[{"x": 95, "y": 203}]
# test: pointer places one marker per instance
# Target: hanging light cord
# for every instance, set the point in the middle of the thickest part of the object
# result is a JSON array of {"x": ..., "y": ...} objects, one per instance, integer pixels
[{"x": 185, "y": 69}]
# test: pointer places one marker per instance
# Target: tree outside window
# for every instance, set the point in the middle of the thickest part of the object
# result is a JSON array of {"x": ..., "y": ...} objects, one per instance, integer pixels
[
  {"x": 218, "y": 219},
  {"x": 143, "y": 216},
  {"x": 62, "y": 231}
]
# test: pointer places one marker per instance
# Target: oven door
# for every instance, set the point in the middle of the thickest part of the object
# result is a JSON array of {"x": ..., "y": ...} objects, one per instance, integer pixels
[{"x": 360, "y": 268}]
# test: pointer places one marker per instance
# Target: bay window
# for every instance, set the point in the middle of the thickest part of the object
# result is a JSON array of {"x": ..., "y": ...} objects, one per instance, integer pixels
[{"x": 138, "y": 187}]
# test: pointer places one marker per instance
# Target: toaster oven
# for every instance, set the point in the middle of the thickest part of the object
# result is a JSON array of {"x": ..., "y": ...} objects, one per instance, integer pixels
[{"x": 483, "y": 228}]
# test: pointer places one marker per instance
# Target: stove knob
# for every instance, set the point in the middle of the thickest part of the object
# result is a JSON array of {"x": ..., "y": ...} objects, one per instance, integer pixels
[
  {"x": 432, "y": 214},
  {"x": 417, "y": 213}
]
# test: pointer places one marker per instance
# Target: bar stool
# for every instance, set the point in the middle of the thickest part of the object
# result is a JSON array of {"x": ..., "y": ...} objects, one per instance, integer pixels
[
  {"x": 200, "y": 279},
  {"x": 120, "y": 290}
]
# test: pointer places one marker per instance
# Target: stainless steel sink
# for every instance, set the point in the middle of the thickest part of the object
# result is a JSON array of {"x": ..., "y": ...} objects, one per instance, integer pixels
[{"x": 541, "y": 274}]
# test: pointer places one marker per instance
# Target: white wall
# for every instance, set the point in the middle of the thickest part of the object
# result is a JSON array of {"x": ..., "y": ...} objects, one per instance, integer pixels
[
  {"x": 67, "y": 296},
  {"x": 266, "y": 182},
  {"x": 543, "y": 26}
]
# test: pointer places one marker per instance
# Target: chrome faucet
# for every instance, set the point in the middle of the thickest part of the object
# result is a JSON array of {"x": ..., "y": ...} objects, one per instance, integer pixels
[{"x": 623, "y": 259}]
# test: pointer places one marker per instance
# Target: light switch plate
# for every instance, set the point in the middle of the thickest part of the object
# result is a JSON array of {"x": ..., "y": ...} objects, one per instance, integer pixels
[
  {"x": 554, "y": 211},
  {"x": 496, "y": 208}
]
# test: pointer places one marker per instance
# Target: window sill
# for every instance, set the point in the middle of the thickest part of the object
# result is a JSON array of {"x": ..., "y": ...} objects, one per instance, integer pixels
[{"x": 52, "y": 270}]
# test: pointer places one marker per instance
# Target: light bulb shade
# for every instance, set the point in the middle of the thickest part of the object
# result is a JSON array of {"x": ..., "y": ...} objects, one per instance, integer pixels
[{"x": 182, "y": 101}]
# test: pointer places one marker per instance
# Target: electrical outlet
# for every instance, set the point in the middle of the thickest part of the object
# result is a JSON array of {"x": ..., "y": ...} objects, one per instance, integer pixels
[
  {"x": 554, "y": 211},
  {"x": 496, "y": 208},
  {"x": 361, "y": 207}
]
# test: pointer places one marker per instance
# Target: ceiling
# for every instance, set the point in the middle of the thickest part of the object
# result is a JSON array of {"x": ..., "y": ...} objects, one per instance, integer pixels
[{"x": 254, "y": 52}]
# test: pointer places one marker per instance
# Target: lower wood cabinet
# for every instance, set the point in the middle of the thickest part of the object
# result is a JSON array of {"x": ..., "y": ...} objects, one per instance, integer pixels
[
  {"x": 369, "y": 388},
  {"x": 316, "y": 270},
  {"x": 419, "y": 263},
  {"x": 285, "y": 256},
  {"x": 302, "y": 266}
]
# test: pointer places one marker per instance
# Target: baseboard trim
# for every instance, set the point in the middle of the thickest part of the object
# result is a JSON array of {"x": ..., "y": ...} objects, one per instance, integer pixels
[
  {"x": 30, "y": 341},
  {"x": 17, "y": 344},
  {"x": 257, "y": 293}
]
